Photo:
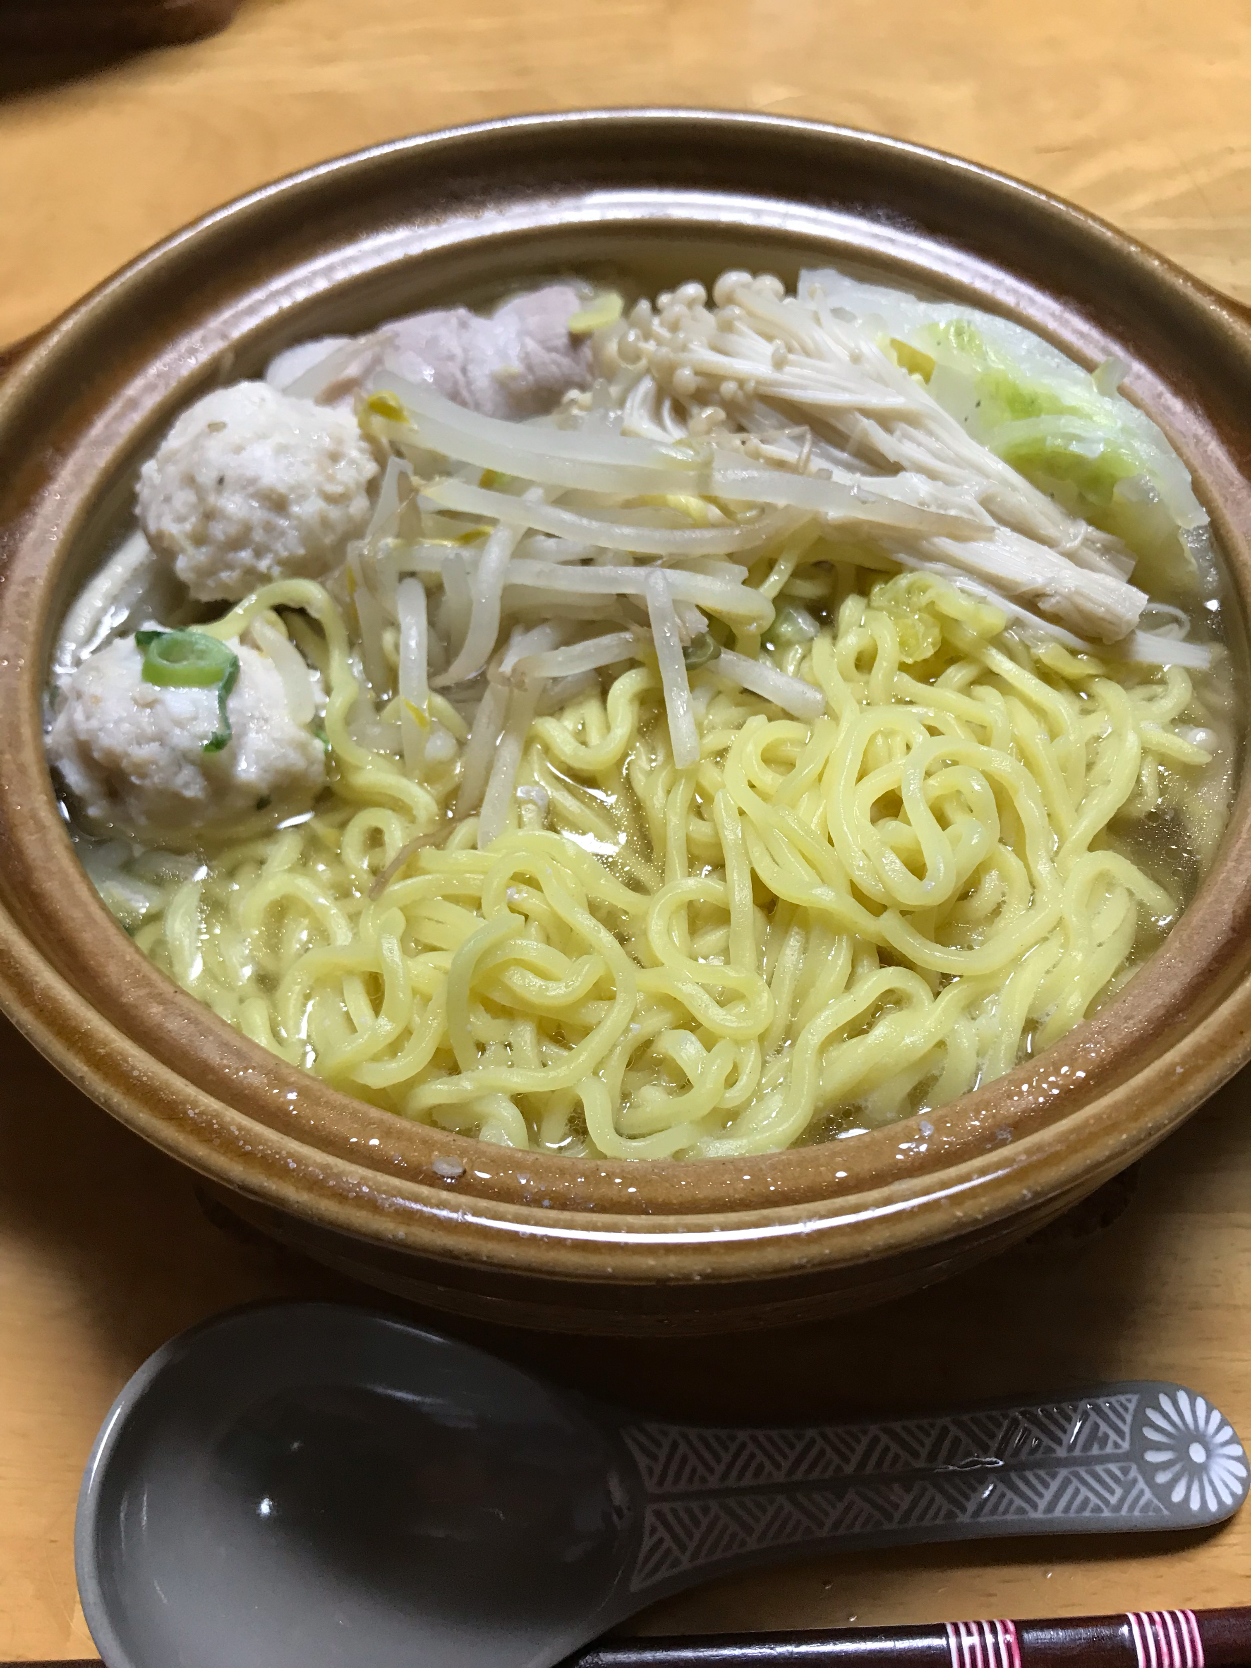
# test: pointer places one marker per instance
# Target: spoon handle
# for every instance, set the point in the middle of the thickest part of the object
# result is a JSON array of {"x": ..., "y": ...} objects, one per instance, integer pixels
[{"x": 1144, "y": 1455}]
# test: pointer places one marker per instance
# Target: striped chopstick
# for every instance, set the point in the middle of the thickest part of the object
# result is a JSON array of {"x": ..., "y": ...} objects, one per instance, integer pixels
[{"x": 1139, "y": 1639}]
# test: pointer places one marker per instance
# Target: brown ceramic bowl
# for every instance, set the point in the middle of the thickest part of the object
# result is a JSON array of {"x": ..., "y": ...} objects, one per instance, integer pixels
[{"x": 535, "y": 1239}]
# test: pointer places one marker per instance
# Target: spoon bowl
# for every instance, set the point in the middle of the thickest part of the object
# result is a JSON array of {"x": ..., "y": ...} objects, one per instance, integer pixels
[
  {"x": 311, "y": 1485},
  {"x": 318, "y": 1484}
]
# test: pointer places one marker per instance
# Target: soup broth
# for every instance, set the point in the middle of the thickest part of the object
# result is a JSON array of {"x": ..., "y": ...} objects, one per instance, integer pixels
[{"x": 655, "y": 729}]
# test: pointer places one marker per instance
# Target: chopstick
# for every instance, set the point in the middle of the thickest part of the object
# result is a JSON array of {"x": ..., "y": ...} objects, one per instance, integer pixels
[
  {"x": 1142, "y": 1639},
  {"x": 1138, "y": 1639}
]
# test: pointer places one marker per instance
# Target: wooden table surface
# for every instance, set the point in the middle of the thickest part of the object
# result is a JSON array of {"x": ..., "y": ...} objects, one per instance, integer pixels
[{"x": 1136, "y": 109}]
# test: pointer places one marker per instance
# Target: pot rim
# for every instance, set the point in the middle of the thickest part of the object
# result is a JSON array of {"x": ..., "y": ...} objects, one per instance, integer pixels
[{"x": 409, "y": 1204}]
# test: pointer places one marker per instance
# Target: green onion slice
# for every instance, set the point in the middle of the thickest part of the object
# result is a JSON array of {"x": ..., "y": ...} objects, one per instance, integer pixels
[{"x": 192, "y": 660}]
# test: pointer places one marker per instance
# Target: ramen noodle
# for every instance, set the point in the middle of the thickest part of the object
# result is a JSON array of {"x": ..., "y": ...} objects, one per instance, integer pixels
[{"x": 816, "y": 708}]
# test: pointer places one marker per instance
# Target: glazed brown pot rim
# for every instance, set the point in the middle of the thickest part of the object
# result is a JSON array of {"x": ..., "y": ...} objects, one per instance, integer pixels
[{"x": 381, "y": 1197}]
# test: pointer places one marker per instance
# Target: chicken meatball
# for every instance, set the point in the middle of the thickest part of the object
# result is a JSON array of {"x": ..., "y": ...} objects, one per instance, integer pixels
[
  {"x": 133, "y": 754},
  {"x": 251, "y": 486}
]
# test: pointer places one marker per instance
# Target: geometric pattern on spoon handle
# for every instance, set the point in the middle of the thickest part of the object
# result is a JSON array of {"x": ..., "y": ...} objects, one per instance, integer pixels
[{"x": 1138, "y": 1456}]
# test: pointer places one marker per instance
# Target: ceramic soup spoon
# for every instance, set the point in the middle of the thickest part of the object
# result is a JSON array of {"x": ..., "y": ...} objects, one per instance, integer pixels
[{"x": 309, "y": 1485}]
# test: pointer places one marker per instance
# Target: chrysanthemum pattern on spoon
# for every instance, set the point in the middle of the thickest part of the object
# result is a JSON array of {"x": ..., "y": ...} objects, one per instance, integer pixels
[{"x": 1194, "y": 1453}]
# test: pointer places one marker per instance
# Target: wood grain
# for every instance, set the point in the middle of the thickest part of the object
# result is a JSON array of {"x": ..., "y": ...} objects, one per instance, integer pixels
[{"x": 1134, "y": 108}]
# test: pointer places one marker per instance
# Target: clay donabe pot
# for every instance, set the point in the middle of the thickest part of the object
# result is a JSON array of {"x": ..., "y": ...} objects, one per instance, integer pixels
[{"x": 532, "y": 1238}]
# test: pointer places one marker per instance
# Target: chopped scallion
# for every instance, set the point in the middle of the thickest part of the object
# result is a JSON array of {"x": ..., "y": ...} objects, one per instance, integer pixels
[{"x": 192, "y": 660}]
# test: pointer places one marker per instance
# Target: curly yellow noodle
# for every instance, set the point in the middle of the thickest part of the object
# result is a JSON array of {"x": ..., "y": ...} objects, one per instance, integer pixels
[{"x": 819, "y": 927}]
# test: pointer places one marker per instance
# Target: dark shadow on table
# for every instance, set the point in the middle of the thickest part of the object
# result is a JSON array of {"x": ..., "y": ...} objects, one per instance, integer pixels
[
  {"x": 50, "y": 43},
  {"x": 27, "y": 71}
]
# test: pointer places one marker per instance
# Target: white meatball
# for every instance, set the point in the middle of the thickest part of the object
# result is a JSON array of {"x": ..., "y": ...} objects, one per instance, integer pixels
[
  {"x": 132, "y": 752},
  {"x": 250, "y": 486},
  {"x": 518, "y": 363}
]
